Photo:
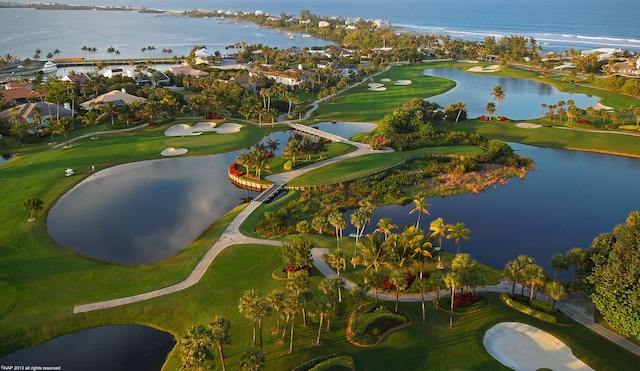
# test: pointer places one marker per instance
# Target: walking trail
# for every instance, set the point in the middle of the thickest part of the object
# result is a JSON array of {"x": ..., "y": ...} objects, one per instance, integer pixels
[{"x": 577, "y": 307}]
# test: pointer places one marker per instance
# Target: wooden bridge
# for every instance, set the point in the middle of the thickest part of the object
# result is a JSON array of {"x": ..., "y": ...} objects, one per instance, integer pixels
[{"x": 317, "y": 133}]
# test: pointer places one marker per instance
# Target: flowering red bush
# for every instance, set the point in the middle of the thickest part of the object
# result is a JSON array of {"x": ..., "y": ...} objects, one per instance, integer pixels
[
  {"x": 233, "y": 170},
  {"x": 293, "y": 268},
  {"x": 152, "y": 123},
  {"x": 390, "y": 286},
  {"x": 584, "y": 122},
  {"x": 465, "y": 299},
  {"x": 503, "y": 118},
  {"x": 483, "y": 118}
]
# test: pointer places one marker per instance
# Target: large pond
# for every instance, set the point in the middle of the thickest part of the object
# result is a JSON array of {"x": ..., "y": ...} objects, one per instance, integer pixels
[
  {"x": 523, "y": 98},
  {"x": 148, "y": 211},
  {"x": 119, "y": 347},
  {"x": 569, "y": 199}
]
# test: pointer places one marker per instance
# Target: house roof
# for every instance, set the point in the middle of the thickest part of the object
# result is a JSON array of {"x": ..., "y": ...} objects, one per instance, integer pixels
[
  {"x": 77, "y": 77},
  {"x": 18, "y": 94},
  {"x": 188, "y": 71},
  {"x": 114, "y": 96},
  {"x": 28, "y": 110}
]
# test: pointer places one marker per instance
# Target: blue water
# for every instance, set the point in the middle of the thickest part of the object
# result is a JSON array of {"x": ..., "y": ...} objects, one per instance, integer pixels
[{"x": 557, "y": 25}]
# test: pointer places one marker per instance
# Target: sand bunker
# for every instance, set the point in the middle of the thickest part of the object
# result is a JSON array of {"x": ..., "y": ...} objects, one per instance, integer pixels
[
  {"x": 526, "y": 348},
  {"x": 173, "y": 151},
  {"x": 599, "y": 106},
  {"x": 181, "y": 130},
  {"x": 492, "y": 68},
  {"x": 375, "y": 85},
  {"x": 403, "y": 82},
  {"x": 528, "y": 125},
  {"x": 385, "y": 80}
]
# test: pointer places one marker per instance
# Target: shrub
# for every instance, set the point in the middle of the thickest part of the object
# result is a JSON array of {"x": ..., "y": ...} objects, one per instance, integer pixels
[
  {"x": 542, "y": 306},
  {"x": 546, "y": 317},
  {"x": 308, "y": 365},
  {"x": 465, "y": 299},
  {"x": 337, "y": 363}
]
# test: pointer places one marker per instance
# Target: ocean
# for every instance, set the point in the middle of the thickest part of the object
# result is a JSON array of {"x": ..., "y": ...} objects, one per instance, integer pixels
[{"x": 557, "y": 25}]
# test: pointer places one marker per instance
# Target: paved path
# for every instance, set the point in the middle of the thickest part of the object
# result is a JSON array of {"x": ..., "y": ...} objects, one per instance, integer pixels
[{"x": 97, "y": 133}]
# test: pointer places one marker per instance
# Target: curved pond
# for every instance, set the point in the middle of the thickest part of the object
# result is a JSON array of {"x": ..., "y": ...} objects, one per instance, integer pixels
[
  {"x": 570, "y": 198},
  {"x": 523, "y": 98},
  {"x": 119, "y": 347},
  {"x": 148, "y": 211}
]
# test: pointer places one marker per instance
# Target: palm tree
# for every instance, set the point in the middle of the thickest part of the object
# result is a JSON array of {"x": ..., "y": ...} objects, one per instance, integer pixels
[
  {"x": 293, "y": 304},
  {"x": 559, "y": 263},
  {"x": 337, "y": 220},
  {"x": 196, "y": 348},
  {"x": 62, "y": 126},
  {"x": 422, "y": 285},
  {"x": 109, "y": 109},
  {"x": 491, "y": 109},
  {"x": 276, "y": 300},
  {"x": 439, "y": 229},
  {"x": 463, "y": 264},
  {"x": 457, "y": 232},
  {"x": 512, "y": 269},
  {"x": 536, "y": 276},
  {"x": 252, "y": 360},
  {"x": 338, "y": 261},
  {"x": 399, "y": 280},
  {"x": 92, "y": 118},
  {"x": 452, "y": 280},
  {"x": 220, "y": 336},
  {"x": 421, "y": 207},
  {"x": 385, "y": 226},
  {"x": 556, "y": 291},
  {"x": 319, "y": 223},
  {"x": 358, "y": 220},
  {"x": 325, "y": 309},
  {"x": 254, "y": 307},
  {"x": 329, "y": 287},
  {"x": 498, "y": 94},
  {"x": 358, "y": 297}
]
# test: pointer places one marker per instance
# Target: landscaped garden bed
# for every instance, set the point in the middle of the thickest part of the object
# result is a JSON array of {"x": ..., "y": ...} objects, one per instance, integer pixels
[{"x": 373, "y": 324}]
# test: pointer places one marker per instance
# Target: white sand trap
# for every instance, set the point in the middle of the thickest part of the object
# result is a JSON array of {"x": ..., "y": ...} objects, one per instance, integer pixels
[
  {"x": 375, "y": 85},
  {"x": 526, "y": 348},
  {"x": 228, "y": 128},
  {"x": 403, "y": 82},
  {"x": 528, "y": 125},
  {"x": 378, "y": 89},
  {"x": 385, "y": 80},
  {"x": 492, "y": 68},
  {"x": 173, "y": 151},
  {"x": 182, "y": 130},
  {"x": 599, "y": 106}
]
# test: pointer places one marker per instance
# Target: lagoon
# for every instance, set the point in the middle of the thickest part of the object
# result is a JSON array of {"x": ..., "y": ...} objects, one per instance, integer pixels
[{"x": 523, "y": 98}]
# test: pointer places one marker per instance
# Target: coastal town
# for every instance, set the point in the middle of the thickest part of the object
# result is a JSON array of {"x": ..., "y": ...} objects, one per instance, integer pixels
[{"x": 284, "y": 208}]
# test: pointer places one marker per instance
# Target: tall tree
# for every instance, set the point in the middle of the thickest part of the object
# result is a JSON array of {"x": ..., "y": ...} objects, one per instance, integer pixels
[
  {"x": 458, "y": 232},
  {"x": 254, "y": 306},
  {"x": 498, "y": 94},
  {"x": 358, "y": 220},
  {"x": 359, "y": 297},
  {"x": 338, "y": 261},
  {"x": 219, "y": 329},
  {"x": 399, "y": 281},
  {"x": 33, "y": 206},
  {"x": 324, "y": 309},
  {"x": 196, "y": 349},
  {"x": 252, "y": 360},
  {"x": 421, "y": 285},
  {"x": 421, "y": 207},
  {"x": 559, "y": 263},
  {"x": 276, "y": 300},
  {"x": 385, "y": 226},
  {"x": 452, "y": 280},
  {"x": 556, "y": 291},
  {"x": 439, "y": 229}
]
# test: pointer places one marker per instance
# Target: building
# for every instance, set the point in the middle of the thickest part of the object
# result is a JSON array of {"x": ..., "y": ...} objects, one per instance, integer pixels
[
  {"x": 116, "y": 97},
  {"x": 30, "y": 111}
]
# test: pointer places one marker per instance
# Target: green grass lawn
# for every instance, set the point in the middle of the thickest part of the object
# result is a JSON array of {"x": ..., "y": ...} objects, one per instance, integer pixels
[
  {"x": 40, "y": 282},
  {"x": 371, "y": 163}
]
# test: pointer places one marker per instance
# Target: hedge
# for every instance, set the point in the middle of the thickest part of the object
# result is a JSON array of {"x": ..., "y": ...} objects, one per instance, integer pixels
[
  {"x": 546, "y": 317},
  {"x": 308, "y": 365},
  {"x": 337, "y": 363}
]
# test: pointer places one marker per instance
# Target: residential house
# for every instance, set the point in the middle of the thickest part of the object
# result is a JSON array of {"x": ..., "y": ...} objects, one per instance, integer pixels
[
  {"x": 29, "y": 111},
  {"x": 187, "y": 71},
  {"x": 116, "y": 97}
]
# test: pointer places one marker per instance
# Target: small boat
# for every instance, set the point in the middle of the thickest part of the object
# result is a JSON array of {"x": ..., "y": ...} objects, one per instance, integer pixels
[{"x": 49, "y": 67}]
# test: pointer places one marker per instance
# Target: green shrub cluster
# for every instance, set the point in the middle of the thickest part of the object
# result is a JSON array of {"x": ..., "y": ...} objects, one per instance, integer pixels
[
  {"x": 546, "y": 317},
  {"x": 376, "y": 322},
  {"x": 308, "y": 365},
  {"x": 336, "y": 364},
  {"x": 543, "y": 306}
]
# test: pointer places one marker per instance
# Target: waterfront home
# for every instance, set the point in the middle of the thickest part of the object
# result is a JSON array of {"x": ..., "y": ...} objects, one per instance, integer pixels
[
  {"x": 30, "y": 112},
  {"x": 116, "y": 97}
]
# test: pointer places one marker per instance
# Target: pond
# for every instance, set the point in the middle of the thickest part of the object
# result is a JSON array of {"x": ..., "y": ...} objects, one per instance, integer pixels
[
  {"x": 108, "y": 348},
  {"x": 6, "y": 157},
  {"x": 148, "y": 211},
  {"x": 523, "y": 98},
  {"x": 569, "y": 199}
]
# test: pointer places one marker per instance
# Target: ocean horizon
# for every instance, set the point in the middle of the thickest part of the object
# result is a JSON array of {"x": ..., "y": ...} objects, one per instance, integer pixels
[{"x": 556, "y": 25}]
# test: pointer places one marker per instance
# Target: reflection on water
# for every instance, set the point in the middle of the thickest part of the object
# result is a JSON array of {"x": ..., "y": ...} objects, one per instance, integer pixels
[
  {"x": 569, "y": 199},
  {"x": 523, "y": 98},
  {"x": 144, "y": 212},
  {"x": 148, "y": 211},
  {"x": 121, "y": 347}
]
